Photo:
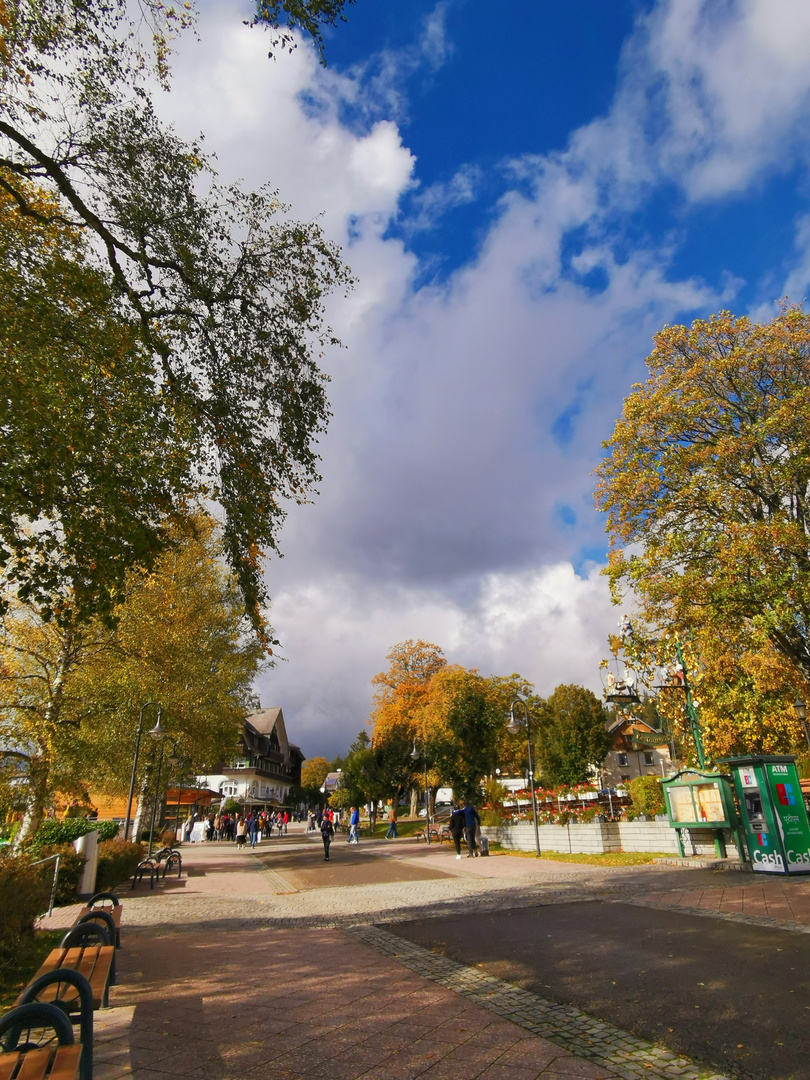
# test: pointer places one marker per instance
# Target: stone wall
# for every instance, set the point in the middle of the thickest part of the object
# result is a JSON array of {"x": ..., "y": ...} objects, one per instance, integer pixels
[{"x": 595, "y": 837}]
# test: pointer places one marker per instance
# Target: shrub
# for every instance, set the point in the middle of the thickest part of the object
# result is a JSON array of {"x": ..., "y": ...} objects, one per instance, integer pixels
[
  {"x": 23, "y": 897},
  {"x": 168, "y": 838},
  {"x": 647, "y": 795},
  {"x": 117, "y": 861},
  {"x": 491, "y": 817},
  {"x": 52, "y": 832},
  {"x": 107, "y": 830},
  {"x": 71, "y": 864}
]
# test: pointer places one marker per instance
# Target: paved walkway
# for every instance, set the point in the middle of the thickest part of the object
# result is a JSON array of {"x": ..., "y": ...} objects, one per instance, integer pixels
[{"x": 268, "y": 964}]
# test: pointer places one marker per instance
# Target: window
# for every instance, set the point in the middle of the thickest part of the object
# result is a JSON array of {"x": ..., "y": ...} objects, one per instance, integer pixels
[
  {"x": 649, "y": 757},
  {"x": 621, "y": 759}
]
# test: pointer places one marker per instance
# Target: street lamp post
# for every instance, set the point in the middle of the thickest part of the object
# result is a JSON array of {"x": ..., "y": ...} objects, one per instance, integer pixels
[
  {"x": 135, "y": 761},
  {"x": 415, "y": 757},
  {"x": 513, "y": 727},
  {"x": 801, "y": 714}
]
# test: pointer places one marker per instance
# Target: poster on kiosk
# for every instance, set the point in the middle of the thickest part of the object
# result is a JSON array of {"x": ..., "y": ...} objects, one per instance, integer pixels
[{"x": 773, "y": 812}]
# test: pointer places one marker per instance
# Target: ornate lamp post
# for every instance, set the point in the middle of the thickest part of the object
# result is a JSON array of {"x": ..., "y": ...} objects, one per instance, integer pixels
[
  {"x": 156, "y": 728},
  {"x": 415, "y": 757},
  {"x": 513, "y": 727}
]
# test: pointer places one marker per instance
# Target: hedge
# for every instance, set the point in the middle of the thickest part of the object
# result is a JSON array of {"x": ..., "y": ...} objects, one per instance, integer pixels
[
  {"x": 117, "y": 861},
  {"x": 24, "y": 893},
  {"x": 647, "y": 795},
  {"x": 71, "y": 864},
  {"x": 68, "y": 830}
]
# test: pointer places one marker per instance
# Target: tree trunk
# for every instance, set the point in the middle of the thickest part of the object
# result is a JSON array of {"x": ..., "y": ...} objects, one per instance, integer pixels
[
  {"x": 144, "y": 807},
  {"x": 414, "y": 800},
  {"x": 39, "y": 766},
  {"x": 39, "y": 769}
]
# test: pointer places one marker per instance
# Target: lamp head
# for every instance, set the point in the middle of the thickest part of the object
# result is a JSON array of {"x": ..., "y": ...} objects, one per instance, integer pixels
[
  {"x": 800, "y": 708},
  {"x": 174, "y": 757},
  {"x": 513, "y": 727},
  {"x": 414, "y": 752},
  {"x": 158, "y": 732}
]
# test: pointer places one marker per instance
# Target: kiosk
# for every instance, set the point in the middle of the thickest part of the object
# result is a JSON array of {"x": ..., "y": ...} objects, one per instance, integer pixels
[
  {"x": 702, "y": 800},
  {"x": 773, "y": 813}
]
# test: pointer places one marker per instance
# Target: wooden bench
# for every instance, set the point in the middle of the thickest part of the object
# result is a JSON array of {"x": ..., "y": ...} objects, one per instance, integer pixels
[
  {"x": 53, "y": 1062},
  {"x": 94, "y": 962},
  {"x": 114, "y": 913}
]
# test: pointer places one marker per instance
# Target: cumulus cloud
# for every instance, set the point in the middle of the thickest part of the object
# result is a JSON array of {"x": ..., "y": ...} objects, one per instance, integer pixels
[
  {"x": 456, "y": 503},
  {"x": 548, "y": 624}
]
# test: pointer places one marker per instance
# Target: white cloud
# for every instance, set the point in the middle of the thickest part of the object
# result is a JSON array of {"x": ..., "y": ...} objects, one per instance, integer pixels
[
  {"x": 467, "y": 414},
  {"x": 548, "y": 624}
]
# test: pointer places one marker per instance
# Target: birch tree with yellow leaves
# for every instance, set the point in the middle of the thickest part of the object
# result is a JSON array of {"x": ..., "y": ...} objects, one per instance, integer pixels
[{"x": 706, "y": 487}]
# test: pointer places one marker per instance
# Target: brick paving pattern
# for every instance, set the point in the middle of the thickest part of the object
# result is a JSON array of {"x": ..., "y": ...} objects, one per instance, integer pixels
[{"x": 618, "y": 1051}]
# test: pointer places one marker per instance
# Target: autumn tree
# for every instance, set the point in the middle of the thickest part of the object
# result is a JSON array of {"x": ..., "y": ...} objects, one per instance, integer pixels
[
  {"x": 215, "y": 299},
  {"x": 401, "y": 691},
  {"x": 70, "y": 696},
  {"x": 313, "y": 774},
  {"x": 460, "y": 723},
  {"x": 706, "y": 490},
  {"x": 511, "y": 751},
  {"x": 573, "y": 736}
]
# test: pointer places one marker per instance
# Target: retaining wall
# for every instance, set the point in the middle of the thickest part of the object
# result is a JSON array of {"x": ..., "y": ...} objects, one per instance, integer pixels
[{"x": 597, "y": 836}]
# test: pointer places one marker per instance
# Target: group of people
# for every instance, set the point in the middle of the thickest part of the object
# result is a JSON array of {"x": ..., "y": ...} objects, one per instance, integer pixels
[
  {"x": 257, "y": 824},
  {"x": 465, "y": 822}
]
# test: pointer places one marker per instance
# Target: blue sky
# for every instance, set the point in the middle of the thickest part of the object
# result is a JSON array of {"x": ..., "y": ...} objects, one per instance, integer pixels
[{"x": 526, "y": 194}]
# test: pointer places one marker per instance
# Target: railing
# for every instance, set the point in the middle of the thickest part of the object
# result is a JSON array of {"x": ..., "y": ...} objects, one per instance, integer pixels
[{"x": 40, "y": 862}]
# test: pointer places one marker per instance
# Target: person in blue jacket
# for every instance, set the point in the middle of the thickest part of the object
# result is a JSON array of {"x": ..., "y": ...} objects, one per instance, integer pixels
[
  {"x": 354, "y": 822},
  {"x": 472, "y": 823}
]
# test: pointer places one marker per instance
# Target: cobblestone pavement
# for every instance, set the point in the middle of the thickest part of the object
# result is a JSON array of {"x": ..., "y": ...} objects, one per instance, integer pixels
[{"x": 213, "y": 983}]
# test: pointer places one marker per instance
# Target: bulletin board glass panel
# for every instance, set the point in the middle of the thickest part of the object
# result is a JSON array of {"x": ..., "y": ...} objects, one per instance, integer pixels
[
  {"x": 681, "y": 807},
  {"x": 709, "y": 802}
]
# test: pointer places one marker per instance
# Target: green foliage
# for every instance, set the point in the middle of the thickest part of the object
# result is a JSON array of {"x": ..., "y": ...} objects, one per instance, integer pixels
[
  {"x": 491, "y": 817},
  {"x": 204, "y": 312},
  {"x": 59, "y": 832},
  {"x": 573, "y": 736},
  {"x": 647, "y": 795},
  {"x": 24, "y": 896},
  {"x": 231, "y": 806},
  {"x": 107, "y": 830},
  {"x": 71, "y": 865},
  {"x": 494, "y": 792},
  {"x": 117, "y": 861}
]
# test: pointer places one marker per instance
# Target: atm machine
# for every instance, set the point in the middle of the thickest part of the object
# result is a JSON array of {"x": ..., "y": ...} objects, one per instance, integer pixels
[{"x": 773, "y": 813}]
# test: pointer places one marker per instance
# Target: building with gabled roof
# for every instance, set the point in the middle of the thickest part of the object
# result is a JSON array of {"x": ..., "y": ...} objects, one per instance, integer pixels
[
  {"x": 637, "y": 749},
  {"x": 265, "y": 766}
]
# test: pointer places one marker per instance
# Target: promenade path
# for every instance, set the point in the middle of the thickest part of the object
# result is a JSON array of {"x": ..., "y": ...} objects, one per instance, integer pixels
[{"x": 276, "y": 964}]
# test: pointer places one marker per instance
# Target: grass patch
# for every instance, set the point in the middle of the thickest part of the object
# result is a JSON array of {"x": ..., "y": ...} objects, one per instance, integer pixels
[
  {"x": 602, "y": 858},
  {"x": 404, "y": 828},
  {"x": 19, "y": 973}
]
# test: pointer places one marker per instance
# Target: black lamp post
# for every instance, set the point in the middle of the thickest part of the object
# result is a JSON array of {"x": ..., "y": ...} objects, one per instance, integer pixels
[
  {"x": 513, "y": 727},
  {"x": 801, "y": 714},
  {"x": 157, "y": 734},
  {"x": 157, "y": 727},
  {"x": 415, "y": 757}
]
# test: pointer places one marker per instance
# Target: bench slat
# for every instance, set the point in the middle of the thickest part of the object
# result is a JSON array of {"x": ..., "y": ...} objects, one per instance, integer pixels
[
  {"x": 8, "y": 1063},
  {"x": 66, "y": 1063}
]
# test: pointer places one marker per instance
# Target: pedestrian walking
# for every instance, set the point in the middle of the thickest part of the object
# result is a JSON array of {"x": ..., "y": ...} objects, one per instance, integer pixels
[
  {"x": 241, "y": 831},
  {"x": 472, "y": 822},
  {"x": 392, "y": 823},
  {"x": 354, "y": 823},
  {"x": 456, "y": 826},
  {"x": 253, "y": 830},
  {"x": 327, "y": 832}
]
